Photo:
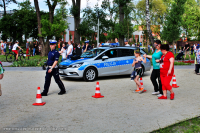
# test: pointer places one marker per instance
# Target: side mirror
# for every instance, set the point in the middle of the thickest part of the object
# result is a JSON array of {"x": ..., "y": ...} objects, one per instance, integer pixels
[{"x": 104, "y": 58}]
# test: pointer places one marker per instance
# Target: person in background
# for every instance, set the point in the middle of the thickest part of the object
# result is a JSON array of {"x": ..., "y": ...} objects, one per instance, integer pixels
[
  {"x": 149, "y": 48},
  {"x": 192, "y": 49},
  {"x": 166, "y": 71},
  {"x": 126, "y": 43},
  {"x": 59, "y": 42},
  {"x": 10, "y": 47},
  {"x": 5, "y": 45},
  {"x": 187, "y": 48},
  {"x": 69, "y": 50},
  {"x": 93, "y": 46},
  {"x": 27, "y": 48},
  {"x": 197, "y": 65},
  {"x": 133, "y": 45},
  {"x": 2, "y": 48},
  {"x": 40, "y": 49},
  {"x": 116, "y": 41},
  {"x": 156, "y": 69},
  {"x": 78, "y": 50},
  {"x": 34, "y": 48},
  {"x": 175, "y": 48},
  {"x": 86, "y": 47},
  {"x": 14, "y": 49},
  {"x": 63, "y": 51}
]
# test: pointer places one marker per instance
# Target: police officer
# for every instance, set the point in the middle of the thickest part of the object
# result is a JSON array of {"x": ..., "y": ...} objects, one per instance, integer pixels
[
  {"x": 52, "y": 70},
  {"x": 86, "y": 47}
]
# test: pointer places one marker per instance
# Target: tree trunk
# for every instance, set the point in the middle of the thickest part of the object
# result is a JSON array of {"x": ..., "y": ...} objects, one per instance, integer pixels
[
  {"x": 121, "y": 21},
  {"x": 4, "y": 6},
  {"x": 149, "y": 23},
  {"x": 77, "y": 19},
  {"x": 173, "y": 47},
  {"x": 41, "y": 39}
]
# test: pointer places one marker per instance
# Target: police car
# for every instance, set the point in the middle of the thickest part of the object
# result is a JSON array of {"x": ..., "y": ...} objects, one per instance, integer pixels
[{"x": 103, "y": 61}]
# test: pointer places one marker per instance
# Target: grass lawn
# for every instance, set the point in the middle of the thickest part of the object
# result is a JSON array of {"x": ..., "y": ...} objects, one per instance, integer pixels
[{"x": 188, "y": 126}]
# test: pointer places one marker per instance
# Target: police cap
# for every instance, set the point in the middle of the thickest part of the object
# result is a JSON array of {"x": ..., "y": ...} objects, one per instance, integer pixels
[
  {"x": 87, "y": 41},
  {"x": 52, "y": 42}
]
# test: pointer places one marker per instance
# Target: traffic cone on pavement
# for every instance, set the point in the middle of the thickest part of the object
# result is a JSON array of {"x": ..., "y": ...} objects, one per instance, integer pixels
[
  {"x": 141, "y": 82},
  {"x": 97, "y": 93},
  {"x": 174, "y": 84},
  {"x": 38, "y": 101}
]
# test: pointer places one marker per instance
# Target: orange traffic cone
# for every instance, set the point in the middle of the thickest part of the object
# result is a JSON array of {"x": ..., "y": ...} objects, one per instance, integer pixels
[
  {"x": 141, "y": 82},
  {"x": 174, "y": 84},
  {"x": 39, "y": 98},
  {"x": 97, "y": 93}
]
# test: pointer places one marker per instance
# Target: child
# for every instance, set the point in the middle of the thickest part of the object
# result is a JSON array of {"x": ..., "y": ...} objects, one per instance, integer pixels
[{"x": 138, "y": 70}]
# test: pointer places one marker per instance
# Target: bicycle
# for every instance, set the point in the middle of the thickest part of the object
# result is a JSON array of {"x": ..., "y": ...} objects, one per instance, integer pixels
[{"x": 11, "y": 57}]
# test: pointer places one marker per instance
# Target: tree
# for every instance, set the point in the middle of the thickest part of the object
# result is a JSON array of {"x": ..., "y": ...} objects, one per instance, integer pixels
[
  {"x": 149, "y": 23},
  {"x": 75, "y": 11},
  {"x": 6, "y": 2},
  {"x": 21, "y": 22},
  {"x": 172, "y": 29},
  {"x": 123, "y": 4},
  {"x": 191, "y": 18},
  {"x": 48, "y": 27}
]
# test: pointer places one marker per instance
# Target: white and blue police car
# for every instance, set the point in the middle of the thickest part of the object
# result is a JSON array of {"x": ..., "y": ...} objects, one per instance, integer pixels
[{"x": 103, "y": 61}]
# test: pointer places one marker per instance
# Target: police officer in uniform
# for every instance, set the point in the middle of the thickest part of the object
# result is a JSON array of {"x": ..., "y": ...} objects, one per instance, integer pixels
[
  {"x": 86, "y": 47},
  {"x": 52, "y": 70}
]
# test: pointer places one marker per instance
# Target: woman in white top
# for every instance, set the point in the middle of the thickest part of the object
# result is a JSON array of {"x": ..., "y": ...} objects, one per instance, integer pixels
[
  {"x": 2, "y": 48},
  {"x": 63, "y": 52}
]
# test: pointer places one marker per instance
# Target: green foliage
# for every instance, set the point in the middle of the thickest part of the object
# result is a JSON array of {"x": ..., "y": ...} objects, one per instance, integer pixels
[
  {"x": 191, "y": 18},
  {"x": 172, "y": 28},
  {"x": 28, "y": 63},
  {"x": 22, "y": 22},
  {"x": 157, "y": 9},
  {"x": 59, "y": 24}
]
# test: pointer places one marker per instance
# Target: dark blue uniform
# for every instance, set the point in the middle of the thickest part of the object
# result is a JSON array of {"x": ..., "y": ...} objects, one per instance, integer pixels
[
  {"x": 88, "y": 48},
  {"x": 52, "y": 57}
]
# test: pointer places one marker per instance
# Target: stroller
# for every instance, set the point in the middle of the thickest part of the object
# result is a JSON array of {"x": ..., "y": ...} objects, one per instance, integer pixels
[{"x": 180, "y": 56}]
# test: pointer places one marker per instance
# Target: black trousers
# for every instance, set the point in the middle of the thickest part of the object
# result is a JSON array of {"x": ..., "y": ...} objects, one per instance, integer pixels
[
  {"x": 156, "y": 75},
  {"x": 55, "y": 74},
  {"x": 197, "y": 66}
]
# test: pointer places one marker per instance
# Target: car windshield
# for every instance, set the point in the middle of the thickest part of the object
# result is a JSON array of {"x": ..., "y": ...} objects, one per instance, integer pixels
[{"x": 92, "y": 53}]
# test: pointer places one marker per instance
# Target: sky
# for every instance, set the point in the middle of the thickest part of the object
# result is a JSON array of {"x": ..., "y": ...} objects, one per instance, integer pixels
[{"x": 44, "y": 7}]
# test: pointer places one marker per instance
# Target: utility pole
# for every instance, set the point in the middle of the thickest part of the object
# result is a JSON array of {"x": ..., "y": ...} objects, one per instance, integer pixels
[{"x": 98, "y": 31}]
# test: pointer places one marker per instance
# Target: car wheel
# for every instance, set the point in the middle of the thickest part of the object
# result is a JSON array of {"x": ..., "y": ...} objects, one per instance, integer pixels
[{"x": 90, "y": 74}]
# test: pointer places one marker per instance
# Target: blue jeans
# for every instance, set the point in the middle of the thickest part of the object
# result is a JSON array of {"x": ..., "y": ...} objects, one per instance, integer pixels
[
  {"x": 69, "y": 56},
  {"x": 33, "y": 51},
  {"x": 59, "y": 49},
  {"x": 4, "y": 50},
  {"x": 175, "y": 51}
]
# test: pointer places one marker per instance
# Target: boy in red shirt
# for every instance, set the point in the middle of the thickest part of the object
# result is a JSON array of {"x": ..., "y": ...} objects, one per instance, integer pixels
[{"x": 166, "y": 71}]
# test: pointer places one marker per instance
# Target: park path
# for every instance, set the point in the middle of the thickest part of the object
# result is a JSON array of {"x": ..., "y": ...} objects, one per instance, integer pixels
[{"x": 119, "y": 111}]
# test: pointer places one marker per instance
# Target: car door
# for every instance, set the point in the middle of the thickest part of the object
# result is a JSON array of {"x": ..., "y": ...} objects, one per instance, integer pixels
[
  {"x": 109, "y": 66},
  {"x": 126, "y": 57}
]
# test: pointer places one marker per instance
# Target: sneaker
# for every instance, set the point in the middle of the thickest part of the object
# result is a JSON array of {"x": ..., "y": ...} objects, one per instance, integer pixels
[
  {"x": 172, "y": 96},
  {"x": 141, "y": 90},
  {"x": 162, "y": 97},
  {"x": 159, "y": 95},
  {"x": 137, "y": 90},
  {"x": 155, "y": 93}
]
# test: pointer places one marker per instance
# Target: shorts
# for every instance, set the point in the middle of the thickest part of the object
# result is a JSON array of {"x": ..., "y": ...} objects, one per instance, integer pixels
[
  {"x": 138, "y": 71},
  {"x": 15, "y": 51},
  {"x": 187, "y": 52},
  {"x": 4, "y": 50}
]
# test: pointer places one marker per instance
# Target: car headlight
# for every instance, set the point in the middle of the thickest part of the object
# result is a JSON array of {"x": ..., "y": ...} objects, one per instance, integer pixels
[{"x": 76, "y": 65}]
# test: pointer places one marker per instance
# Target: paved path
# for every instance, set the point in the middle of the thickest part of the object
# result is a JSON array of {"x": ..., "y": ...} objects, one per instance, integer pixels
[
  {"x": 23, "y": 69},
  {"x": 6, "y": 64},
  {"x": 119, "y": 111}
]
